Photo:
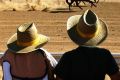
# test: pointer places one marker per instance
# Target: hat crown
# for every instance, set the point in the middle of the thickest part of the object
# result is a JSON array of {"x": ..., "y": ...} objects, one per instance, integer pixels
[
  {"x": 87, "y": 23},
  {"x": 26, "y": 33}
]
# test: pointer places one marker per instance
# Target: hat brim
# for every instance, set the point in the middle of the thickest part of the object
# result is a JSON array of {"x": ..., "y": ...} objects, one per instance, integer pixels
[
  {"x": 13, "y": 46},
  {"x": 79, "y": 40}
]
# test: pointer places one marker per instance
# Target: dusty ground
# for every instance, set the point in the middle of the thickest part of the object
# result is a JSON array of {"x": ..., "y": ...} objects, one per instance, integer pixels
[{"x": 54, "y": 26}]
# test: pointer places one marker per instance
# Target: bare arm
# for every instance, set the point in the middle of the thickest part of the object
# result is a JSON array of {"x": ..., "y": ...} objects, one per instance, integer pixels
[
  {"x": 6, "y": 71},
  {"x": 53, "y": 61},
  {"x": 115, "y": 76}
]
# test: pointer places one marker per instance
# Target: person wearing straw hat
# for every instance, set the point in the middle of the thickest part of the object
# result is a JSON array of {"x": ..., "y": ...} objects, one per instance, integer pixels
[
  {"x": 25, "y": 59},
  {"x": 87, "y": 62}
]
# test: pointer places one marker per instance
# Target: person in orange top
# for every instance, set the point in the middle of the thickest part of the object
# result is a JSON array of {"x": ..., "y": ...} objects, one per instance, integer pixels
[{"x": 25, "y": 59}]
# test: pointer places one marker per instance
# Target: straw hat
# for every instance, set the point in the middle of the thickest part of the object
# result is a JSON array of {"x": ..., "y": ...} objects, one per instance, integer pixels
[
  {"x": 87, "y": 29},
  {"x": 26, "y": 39}
]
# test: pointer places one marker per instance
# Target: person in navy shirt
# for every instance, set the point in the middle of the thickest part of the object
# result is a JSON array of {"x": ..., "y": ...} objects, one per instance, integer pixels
[{"x": 87, "y": 61}]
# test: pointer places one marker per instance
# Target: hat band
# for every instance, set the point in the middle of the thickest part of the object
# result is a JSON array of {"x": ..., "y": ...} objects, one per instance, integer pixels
[
  {"x": 87, "y": 35},
  {"x": 33, "y": 42}
]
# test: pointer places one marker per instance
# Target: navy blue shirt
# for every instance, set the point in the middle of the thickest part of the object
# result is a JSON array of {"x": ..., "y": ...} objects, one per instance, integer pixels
[{"x": 86, "y": 63}]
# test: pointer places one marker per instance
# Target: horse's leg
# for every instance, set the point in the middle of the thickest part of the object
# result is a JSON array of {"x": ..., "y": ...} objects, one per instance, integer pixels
[
  {"x": 69, "y": 3},
  {"x": 92, "y": 3},
  {"x": 83, "y": 2},
  {"x": 77, "y": 4},
  {"x": 97, "y": 1}
]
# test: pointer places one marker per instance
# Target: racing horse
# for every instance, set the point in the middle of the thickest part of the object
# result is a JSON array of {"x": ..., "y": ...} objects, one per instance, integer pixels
[{"x": 78, "y": 2}]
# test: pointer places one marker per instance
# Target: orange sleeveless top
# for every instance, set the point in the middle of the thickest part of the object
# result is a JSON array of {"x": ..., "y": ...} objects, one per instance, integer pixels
[{"x": 30, "y": 65}]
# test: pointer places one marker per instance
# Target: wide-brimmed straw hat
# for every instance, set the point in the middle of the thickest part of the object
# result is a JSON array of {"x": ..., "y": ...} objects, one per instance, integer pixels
[
  {"x": 26, "y": 39},
  {"x": 87, "y": 29}
]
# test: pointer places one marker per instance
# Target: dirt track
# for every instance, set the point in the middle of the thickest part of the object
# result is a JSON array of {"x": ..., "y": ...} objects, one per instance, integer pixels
[{"x": 54, "y": 26}]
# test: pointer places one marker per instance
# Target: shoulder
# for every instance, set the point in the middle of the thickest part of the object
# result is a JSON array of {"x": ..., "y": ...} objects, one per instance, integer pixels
[
  {"x": 105, "y": 51},
  {"x": 7, "y": 57},
  {"x": 8, "y": 54},
  {"x": 102, "y": 51},
  {"x": 70, "y": 53},
  {"x": 50, "y": 57}
]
